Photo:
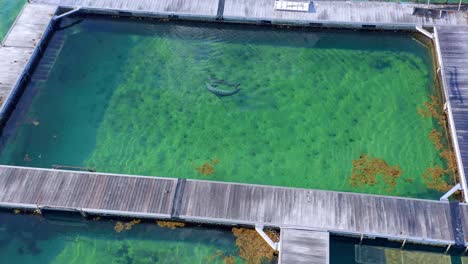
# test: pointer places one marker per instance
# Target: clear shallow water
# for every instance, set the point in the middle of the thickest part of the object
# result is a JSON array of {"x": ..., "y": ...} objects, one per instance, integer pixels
[
  {"x": 127, "y": 97},
  {"x": 9, "y": 9},
  {"x": 33, "y": 239},
  {"x": 349, "y": 251}
]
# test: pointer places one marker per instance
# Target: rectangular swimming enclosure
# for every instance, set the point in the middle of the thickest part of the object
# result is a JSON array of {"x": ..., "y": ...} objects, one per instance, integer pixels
[{"x": 336, "y": 110}]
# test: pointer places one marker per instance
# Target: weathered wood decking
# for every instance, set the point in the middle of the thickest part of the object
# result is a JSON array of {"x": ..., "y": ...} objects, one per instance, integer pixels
[
  {"x": 19, "y": 45},
  {"x": 349, "y": 13},
  {"x": 227, "y": 203},
  {"x": 452, "y": 52},
  {"x": 304, "y": 247}
]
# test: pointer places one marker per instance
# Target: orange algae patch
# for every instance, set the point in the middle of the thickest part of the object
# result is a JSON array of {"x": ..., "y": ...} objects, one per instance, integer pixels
[
  {"x": 120, "y": 226},
  {"x": 170, "y": 224},
  {"x": 450, "y": 158},
  {"x": 434, "y": 176},
  {"x": 433, "y": 109},
  {"x": 366, "y": 169},
  {"x": 252, "y": 248},
  {"x": 436, "y": 138},
  {"x": 434, "y": 179},
  {"x": 207, "y": 168},
  {"x": 227, "y": 259}
]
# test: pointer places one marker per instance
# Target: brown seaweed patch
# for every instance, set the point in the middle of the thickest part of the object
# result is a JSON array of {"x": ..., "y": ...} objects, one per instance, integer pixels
[
  {"x": 170, "y": 224},
  {"x": 120, "y": 226},
  {"x": 366, "y": 169},
  {"x": 451, "y": 161},
  {"x": 436, "y": 138},
  {"x": 434, "y": 179},
  {"x": 227, "y": 259},
  {"x": 252, "y": 248},
  {"x": 433, "y": 108},
  {"x": 207, "y": 168}
]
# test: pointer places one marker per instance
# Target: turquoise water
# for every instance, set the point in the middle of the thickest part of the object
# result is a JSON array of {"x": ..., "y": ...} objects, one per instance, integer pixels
[
  {"x": 350, "y": 251},
  {"x": 34, "y": 239},
  {"x": 130, "y": 97},
  {"x": 9, "y": 9}
]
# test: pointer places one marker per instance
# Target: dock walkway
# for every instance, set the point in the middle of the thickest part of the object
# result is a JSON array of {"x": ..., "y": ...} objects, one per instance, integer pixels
[
  {"x": 453, "y": 53},
  {"x": 304, "y": 247},
  {"x": 422, "y": 221},
  {"x": 342, "y": 13},
  {"x": 19, "y": 45}
]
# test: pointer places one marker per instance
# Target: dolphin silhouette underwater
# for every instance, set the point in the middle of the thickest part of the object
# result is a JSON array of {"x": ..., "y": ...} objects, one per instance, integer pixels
[{"x": 220, "y": 92}]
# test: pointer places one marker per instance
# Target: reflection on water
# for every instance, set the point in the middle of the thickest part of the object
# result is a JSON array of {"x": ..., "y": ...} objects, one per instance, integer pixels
[{"x": 351, "y": 251}]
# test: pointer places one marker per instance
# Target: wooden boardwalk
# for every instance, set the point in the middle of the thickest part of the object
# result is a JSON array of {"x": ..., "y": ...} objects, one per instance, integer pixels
[
  {"x": 338, "y": 13},
  {"x": 453, "y": 58},
  {"x": 19, "y": 45},
  {"x": 304, "y": 247},
  {"x": 416, "y": 220}
]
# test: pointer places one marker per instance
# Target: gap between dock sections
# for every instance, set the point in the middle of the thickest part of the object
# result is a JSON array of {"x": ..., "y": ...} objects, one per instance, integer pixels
[
  {"x": 177, "y": 199},
  {"x": 220, "y": 12}
]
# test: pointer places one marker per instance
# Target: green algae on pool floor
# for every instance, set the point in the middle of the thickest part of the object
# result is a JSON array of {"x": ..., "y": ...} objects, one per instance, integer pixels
[
  {"x": 130, "y": 97},
  {"x": 31, "y": 239},
  {"x": 9, "y": 9}
]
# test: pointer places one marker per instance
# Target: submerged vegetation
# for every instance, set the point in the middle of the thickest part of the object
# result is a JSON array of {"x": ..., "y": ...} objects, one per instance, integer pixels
[
  {"x": 226, "y": 259},
  {"x": 120, "y": 226},
  {"x": 440, "y": 176},
  {"x": 252, "y": 248},
  {"x": 366, "y": 170},
  {"x": 141, "y": 116},
  {"x": 207, "y": 168},
  {"x": 433, "y": 109},
  {"x": 436, "y": 177},
  {"x": 170, "y": 224}
]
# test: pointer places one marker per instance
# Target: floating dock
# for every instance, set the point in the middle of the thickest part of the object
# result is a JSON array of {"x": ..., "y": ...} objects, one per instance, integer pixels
[
  {"x": 18, "y": 48},
  {"x": 304, "y": 247},
  {"x": 321, "y": 13},
  {"x": 306, "y": 217},
  {"x": 413, "y": 220},
  {"x": 452, "y": 53}
]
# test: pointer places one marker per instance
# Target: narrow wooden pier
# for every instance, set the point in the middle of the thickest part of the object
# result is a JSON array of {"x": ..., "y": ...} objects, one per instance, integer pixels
[
  {"x": 422, "y": 221},
  {"x": 452, "y": 53},
  {"x": 304, "y": 247},
  {"x": 329, "y": 13},
  {"x": 19, "y": 45}
]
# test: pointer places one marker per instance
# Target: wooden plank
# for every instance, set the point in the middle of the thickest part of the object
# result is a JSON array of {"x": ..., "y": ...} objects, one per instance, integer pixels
[
  {"x": 216, "y": 202},
  {"x": 76, "y": 190},
  {"x": 18, "y": 45},
  {"x": 339, "y": 12},
  {"x": 453, "y": 43},
  {"x": 304, "y": 247},
  {"x": 333, "y": 12},
  {"x": 204, "y": 8},
  {"x": 381, "y": 216},
  {"x": 29, "y": 26}
]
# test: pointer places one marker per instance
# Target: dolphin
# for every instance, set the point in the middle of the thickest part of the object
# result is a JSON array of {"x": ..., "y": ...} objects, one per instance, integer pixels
[{"x": 221, "y": 93}]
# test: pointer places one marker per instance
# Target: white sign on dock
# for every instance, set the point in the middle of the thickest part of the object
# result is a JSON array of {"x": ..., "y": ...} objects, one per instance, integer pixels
[{"x": 292, "y": 6}]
